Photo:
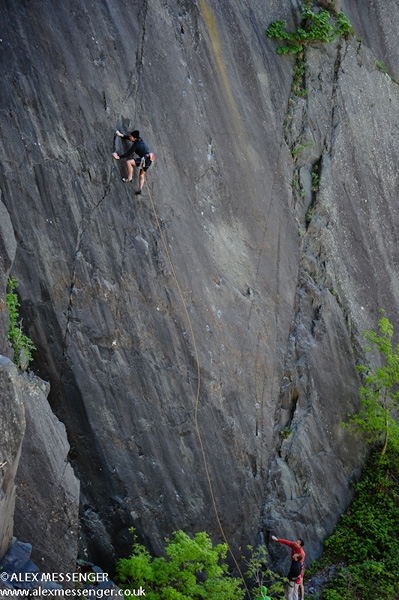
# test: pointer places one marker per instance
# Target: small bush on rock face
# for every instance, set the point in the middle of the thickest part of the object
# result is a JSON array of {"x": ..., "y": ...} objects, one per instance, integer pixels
[
  {"x": 21, "y": 344},
  {"x": 319, "y": 26}
]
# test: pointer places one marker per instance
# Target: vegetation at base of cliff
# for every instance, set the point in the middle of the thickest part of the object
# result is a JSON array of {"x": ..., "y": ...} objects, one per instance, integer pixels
[
  {"x": 321, "y": 26},
  {"x": 192, "y": 569},
  {"x": 20, "y": 343},
  {"x": 364, "y": 548},
  {"x": 379, "y": 396},
  {"x": 363, "y": 551}
]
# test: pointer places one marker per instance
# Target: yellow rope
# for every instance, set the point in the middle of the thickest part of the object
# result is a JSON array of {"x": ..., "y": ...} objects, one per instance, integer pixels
[{"x": 198, "y": 390}]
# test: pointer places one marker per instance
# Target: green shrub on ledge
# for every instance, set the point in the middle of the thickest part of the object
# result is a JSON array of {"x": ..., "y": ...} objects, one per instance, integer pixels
[{"x": 20, "y": 343}]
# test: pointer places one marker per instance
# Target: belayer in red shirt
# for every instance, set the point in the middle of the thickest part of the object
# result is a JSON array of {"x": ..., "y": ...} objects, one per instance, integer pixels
[{"x": 296, "y": 548}]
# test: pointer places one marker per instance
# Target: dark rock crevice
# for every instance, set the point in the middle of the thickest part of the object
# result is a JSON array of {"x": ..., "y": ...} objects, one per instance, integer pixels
[{"x": 319, "y": 299}]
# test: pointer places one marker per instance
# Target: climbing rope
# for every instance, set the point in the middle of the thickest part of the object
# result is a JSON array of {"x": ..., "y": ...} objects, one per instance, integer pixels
[{"x": 197, "y": 395}]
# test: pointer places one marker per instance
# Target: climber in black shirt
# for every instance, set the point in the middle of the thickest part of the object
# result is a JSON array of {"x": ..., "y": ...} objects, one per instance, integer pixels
[{"x": 144, "y": 161}]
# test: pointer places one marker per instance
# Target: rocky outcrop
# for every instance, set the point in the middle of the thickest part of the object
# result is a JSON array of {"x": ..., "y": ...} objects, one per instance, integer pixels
[
  {"x": 39, "y": 491},
  {"x": 48, "y": 492},
  {"x": 182, "y": 331},
  {"x": 12, "y": 430}
]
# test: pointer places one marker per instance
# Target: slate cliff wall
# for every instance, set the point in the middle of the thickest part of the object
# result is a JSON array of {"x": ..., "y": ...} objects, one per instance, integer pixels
[{"x": 270, "y": 302}]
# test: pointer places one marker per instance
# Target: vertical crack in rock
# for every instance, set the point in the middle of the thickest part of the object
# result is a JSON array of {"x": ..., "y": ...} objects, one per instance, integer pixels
[
  {"x": 133, "y": 87},
  {"x": 306, "y": 429}
]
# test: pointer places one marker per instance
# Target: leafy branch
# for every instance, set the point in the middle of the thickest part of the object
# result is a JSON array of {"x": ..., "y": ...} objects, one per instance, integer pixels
[
  {"x": 379, "y": 396},
  {"x": 261, "y": 574}
]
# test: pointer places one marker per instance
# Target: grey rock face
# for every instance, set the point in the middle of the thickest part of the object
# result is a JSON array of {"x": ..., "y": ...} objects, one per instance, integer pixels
[
  {"x": 345, "y": 141},
  {"x": 8, "y": 247},
  {"x": 202, "y": 319}
]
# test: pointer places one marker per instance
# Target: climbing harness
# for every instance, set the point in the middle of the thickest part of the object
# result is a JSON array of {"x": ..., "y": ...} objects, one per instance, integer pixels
[{"x": 143, "y": 162}]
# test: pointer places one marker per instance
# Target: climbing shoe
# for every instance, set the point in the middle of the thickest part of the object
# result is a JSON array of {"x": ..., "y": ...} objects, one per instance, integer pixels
[
  {"x": 127, "y": 180},
  {"x": 138, "y": 193}
]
